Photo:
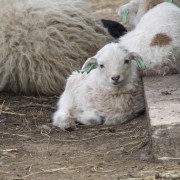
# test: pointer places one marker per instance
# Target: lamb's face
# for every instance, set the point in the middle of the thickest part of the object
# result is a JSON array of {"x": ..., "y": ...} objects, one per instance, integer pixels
[{"x": 114, "y": 65}]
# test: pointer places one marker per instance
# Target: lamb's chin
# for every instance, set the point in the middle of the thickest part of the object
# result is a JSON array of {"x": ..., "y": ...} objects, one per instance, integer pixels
[{"x": 116, "y": 83}]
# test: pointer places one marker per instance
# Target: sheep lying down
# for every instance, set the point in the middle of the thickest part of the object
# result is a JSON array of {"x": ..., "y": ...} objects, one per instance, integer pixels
[
  {"x": 131, "y": 13},
  {"x": 156, "y": 39},
  {"x": 112, "y": 93}
]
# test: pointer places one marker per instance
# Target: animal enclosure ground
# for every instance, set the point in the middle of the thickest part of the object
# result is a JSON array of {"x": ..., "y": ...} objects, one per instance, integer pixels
[{"x": 30, "y": 148}]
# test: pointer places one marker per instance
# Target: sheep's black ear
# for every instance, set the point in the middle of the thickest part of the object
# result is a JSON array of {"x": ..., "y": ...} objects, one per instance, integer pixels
[
  {"x": 88, "y": 62},
  {"x": 115, "y": 29}
]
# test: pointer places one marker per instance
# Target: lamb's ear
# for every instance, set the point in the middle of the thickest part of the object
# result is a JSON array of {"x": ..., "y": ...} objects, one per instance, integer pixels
[
  {"x": 131, "y": 56},
  {"x": 136, "y": 57},
  {"x": 88, "y": 62}
]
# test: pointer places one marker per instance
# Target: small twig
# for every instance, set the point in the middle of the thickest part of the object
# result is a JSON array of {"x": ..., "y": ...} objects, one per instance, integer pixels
[
  {"x": 102, "y": 171},
  {"x": 1, "y": 107},
  {"x": 170, "y": 175},
  {"x": 32, "y": 174},
  {"x": 30, "y": 168},
  {"x": 18, "y": 114},
  {"x": 34, "y": 105},
  {"x": 44, "y": 134},
  {"x": 49, "y": 139},
  {"x": 8, "y": 150},
  {"x": 140, "y": 145},
  {"x": 20, "y": 135},
  {"x": 168, "y": 158},
  {"x": 78, "y": 140},
  {"x": 12, "y": 113},
  {"x": 120, "y": 147},
  {"x": 55, "y": 170},
  {"x": 41, "y": 97}
]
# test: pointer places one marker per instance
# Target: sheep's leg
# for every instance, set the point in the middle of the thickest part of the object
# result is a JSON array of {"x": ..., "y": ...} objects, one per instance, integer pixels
[
  {"x": 62, "y": 117},
  {"x": 164, "y": 70}
]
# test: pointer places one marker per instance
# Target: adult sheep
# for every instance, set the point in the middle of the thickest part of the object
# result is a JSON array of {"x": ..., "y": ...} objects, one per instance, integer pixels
[
  {"x": 131, "y": 13},
  {"x": 110, "y": 94},
  {"x": 156, "y": 39},
  {"x": 43, "y": 41}
]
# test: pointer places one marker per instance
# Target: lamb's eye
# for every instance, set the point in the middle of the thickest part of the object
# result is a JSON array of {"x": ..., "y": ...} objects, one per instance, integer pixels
[
  {"x": 126, "y": 61},
  {"x": 101, "y": 66}
]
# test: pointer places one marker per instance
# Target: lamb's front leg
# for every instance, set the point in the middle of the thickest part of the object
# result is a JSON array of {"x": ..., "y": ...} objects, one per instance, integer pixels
[{"x": 62, "y": 117}]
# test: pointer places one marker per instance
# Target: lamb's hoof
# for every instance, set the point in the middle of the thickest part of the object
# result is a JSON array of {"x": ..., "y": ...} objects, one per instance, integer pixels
[
  {"x": 66, "y": 124},
  {"x": 70, "y": 127}
]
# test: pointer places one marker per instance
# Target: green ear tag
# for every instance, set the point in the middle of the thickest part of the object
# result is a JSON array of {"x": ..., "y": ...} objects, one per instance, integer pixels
[
  {"x": 90, "y": 68},
  {"x": 140, "y": 62},
  {"x": 124, "y": 16},
  {"x": 171, "y": 1}
]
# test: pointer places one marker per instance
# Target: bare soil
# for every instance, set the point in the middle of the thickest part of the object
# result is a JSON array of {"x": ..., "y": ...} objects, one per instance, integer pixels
[{"x": 30, "y": 148}]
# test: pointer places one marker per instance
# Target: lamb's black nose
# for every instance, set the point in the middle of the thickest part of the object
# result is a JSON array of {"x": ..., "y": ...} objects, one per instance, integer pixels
[{"x": 115, "y": 78}]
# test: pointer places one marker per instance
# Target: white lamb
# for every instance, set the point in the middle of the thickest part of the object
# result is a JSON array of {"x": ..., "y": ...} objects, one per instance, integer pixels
[
  {"x": 110, "y": 94},
  {"x": 131, "y": 13},
  {"x": 156, "y": 39}
]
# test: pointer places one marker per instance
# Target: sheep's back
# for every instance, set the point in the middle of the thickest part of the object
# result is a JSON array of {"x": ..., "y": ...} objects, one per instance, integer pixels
[{"x": 43, "y": 41}]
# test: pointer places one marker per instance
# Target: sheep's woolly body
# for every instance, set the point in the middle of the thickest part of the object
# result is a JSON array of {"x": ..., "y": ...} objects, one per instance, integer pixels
[
  {"x": 160, "y": 40},
  {"x": 137, "y": 8},
  {"x": 145, "y": 39},
  {"x": 43, "y": 41},
  {"x": 149, "y": 4},
  {"x": 146, "y": 5}
]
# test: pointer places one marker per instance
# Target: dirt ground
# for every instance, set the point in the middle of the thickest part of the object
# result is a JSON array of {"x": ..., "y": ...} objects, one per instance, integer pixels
[{"x": 30, "y": 148}]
